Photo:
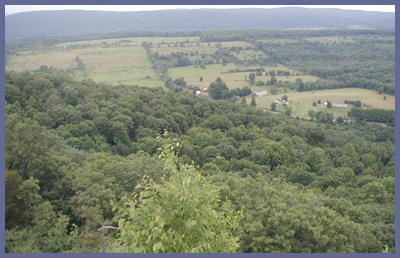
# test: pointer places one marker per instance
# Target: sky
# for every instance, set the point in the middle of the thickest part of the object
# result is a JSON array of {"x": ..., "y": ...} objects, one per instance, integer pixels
[{"x": 12, "y": 9}]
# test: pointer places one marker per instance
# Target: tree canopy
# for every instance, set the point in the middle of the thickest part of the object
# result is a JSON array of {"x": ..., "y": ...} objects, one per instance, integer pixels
[{"x": 242, "y": 180}]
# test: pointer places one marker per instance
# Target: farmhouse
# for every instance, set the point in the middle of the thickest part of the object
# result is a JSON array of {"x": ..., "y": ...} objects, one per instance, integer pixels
[{"x": 280, "y": 101}]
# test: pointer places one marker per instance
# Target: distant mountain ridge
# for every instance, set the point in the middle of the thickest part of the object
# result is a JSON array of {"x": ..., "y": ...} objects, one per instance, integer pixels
[{"x": 74, "y": 22}]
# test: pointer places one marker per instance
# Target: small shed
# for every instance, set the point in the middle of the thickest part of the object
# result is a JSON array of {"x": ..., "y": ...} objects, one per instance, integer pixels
[
  {"x": 280, "y": 101},
  {"x": 261, "y": 94}
]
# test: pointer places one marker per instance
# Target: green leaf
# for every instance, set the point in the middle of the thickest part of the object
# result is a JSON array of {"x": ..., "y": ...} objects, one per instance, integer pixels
[{"x": 157, "y": 247}]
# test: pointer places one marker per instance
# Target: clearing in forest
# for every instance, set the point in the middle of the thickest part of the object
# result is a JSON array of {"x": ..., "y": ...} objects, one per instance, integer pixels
[{"x": 302, "y": 102}]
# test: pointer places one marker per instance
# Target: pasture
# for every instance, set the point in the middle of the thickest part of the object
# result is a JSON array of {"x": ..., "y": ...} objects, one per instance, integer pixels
[
  {"x": 112, "y": 61},
  {"x": 125, "y": 61},
  {"x": 302, "y": 102},
  {"x": 233, "y": 80}
]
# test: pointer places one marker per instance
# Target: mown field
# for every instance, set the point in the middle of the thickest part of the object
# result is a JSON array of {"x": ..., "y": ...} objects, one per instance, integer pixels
[
  {"x": 302, "y": 102},
  {"x": 112, "y": 61},
  {"x": 211, "y": 60},
  {"x": 125, "y": 61},
  {"x": 234, "y": 80}
]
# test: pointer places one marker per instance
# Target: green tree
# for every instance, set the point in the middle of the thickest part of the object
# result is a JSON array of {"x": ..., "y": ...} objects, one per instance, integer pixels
[
  {"x": 288, "y": 110},
  {"x": 202, "y": 139},
  {"x": 311, "y": 113},
  {"x": 220, "y": 122},
  {"x": 252, "y": 77},
  {"x": 218, "y": 89},
  {"x": 274, "y": 90},
  {"x": 315, "y": 159},
  {"x": 180, "y": 216},
  {"x": 13, "y": 206},
  {"x": 46, "y": 230},
  {"x": 340, "y": 120},
  {"x": 273, "y": 81},
  {"x": 300, "y": 84},
  {"x": 253, "y": 101},
  {"x": 273, "y": 106},
  {"x": 284, "y": 218}
]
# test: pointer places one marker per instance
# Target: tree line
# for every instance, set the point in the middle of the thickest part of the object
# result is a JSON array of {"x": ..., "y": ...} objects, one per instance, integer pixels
[{"x": 373, "y": 115}]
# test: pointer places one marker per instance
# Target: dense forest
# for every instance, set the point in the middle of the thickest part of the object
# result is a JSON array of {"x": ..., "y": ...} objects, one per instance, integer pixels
[{"x": 176, "y": 172}]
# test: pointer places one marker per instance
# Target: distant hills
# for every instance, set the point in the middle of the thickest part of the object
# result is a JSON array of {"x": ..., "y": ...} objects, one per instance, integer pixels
[{"x": 53, "y": 23}]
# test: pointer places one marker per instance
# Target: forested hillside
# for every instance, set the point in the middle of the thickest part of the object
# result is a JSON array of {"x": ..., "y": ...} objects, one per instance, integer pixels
[
  {"x": 47, "y": 23},
  {"x": 227, "y": 177}
]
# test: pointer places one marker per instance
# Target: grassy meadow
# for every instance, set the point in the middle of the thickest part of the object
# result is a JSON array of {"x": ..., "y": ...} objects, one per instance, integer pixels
[
  {"x": 234, "y": 80},
  {"x": 112, "y": 61},
  {"x": 125, "y": 61},
  {"x": 302, "y": 102}
]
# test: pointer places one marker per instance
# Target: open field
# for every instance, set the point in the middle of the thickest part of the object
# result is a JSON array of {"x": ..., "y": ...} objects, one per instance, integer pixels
[
  {"x": 345, "y": 39},
  {"x": 125, "y": 61},
  {"x": 113, "y": 61},
  {"x": 188, "y": 45},
  {"x": 32, "y": 61},
  {"x": 205, "y": 53},
  {"x": 301, "y": 102},
  {"x": 119, "y": 66},
  {"x": 233, "y": 80},
  {"x": 129, "y": 41},
  {"x": 192, "y": 44}
]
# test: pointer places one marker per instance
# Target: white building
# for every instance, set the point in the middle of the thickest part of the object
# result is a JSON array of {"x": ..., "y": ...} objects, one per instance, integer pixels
[
  {"x": 281, "y": 101},
  {"x": 261, "y": 94},
  {"x": 336, "y": 105}
]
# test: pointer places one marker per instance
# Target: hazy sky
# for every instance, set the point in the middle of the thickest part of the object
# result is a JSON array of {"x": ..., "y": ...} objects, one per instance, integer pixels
[{"x": 11, "y": 9}]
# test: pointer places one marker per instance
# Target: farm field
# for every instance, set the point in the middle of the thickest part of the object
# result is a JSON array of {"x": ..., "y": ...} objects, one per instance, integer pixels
[
  {"x": 301, "y": 102},
  {"x": 112, "y": 61},
  {"x": 234, "y": 79},
  {"x": 207, "y": 52},
  {"x": 192, "y": 44},
  {"x": 125, "y": 61}
]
